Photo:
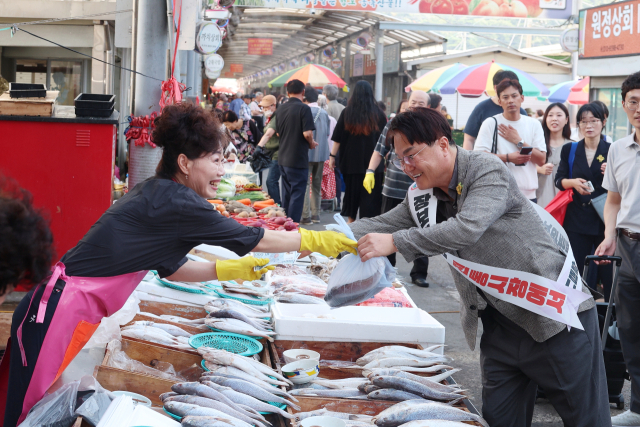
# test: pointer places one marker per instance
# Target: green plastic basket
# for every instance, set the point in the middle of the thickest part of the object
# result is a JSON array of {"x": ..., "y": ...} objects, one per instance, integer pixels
[
  {"x": 184, "y": 289},
  {"x": 244, "y": 300},
  {"x": 172, "y": 415},
  {"x": 234, "y": 343}
]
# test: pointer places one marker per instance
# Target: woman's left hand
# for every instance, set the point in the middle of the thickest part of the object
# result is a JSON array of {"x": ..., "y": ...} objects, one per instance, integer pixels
[
  {"x": 375, "y": 245},
  {"x": 603, "y": 167}
]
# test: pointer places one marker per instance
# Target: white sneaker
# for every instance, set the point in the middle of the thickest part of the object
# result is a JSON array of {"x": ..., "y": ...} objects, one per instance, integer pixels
[{"x": 626, "y": 419}]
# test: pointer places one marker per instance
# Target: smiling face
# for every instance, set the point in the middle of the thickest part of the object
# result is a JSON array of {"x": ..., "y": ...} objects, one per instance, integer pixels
[
  {"x": 430, "y": 167},
  {"x": 556, "y": 120},
  {"x": 204, "y": 173}
]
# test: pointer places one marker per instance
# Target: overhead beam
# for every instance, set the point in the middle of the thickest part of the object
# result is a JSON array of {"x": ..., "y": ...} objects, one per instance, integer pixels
[{"x": 385, "y": 25}]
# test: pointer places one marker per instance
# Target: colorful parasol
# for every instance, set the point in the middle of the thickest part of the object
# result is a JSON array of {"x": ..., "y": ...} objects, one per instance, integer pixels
[
  {"x": 313, "y": 74},
  {"x": 477, "y": 79},
  {"x": 282, "y": 79},
  {"x": 575, "y": 92},
  {"x": 434, "y": 79}
]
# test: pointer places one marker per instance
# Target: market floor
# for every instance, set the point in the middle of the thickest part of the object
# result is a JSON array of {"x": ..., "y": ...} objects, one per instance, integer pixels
[{"x": 441, "y": 300}]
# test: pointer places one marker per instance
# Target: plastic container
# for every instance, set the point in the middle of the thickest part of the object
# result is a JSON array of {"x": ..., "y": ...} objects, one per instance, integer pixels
[
  {"x": 369, "y": 324},
  {"x": 234, "y": 343},
  {"x": 93, "y": 112},
  {"x": 301, "y": 371},
  {"x": 95, "y": 101},
  {"x": 322, "y": 422},
  {"x": 300, "y": 354},
  {"x": 27, "y": 90},
  {"x": 137, "y": 398}
]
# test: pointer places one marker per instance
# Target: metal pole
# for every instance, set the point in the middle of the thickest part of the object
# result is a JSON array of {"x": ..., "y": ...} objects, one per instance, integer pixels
[
  {"x": 151, "y": 58},
  {"x": 379, "y": 63},
  {"x": 347, "y": 62}
]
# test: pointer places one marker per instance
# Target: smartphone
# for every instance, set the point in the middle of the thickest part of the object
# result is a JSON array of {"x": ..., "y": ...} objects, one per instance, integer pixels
[
  {"x": 590, "y": 186},
  {"x": 526, "y": 150}
]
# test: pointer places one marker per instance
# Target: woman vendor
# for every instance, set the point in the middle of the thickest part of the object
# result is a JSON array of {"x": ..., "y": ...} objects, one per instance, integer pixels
[{"x": 153, "y": 227}]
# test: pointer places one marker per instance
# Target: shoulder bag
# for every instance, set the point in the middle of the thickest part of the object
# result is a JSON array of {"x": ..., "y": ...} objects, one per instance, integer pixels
[{"x": 557, "y": 207}]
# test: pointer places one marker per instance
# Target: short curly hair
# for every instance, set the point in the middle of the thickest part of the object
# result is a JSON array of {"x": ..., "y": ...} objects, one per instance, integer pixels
[
  {"x": 185, "y": 129},
  {"x": 630, "y": 83},
  {"x": 26, "y": 243}
]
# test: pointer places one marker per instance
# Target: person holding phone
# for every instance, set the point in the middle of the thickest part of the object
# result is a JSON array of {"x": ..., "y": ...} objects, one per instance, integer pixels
[
  {"x": 584, "y": 227},
  {"x": 517, "y": 139}
]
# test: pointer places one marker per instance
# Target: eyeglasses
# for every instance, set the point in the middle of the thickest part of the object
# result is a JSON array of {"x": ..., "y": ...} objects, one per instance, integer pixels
[
  {"x": 400, "y": 162},
  {"x": 631, "y": 105},
  {"x": 587, "y": 123}
]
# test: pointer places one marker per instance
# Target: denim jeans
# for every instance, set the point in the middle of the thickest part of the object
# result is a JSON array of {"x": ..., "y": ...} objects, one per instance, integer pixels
[{"x": 273, "y": 179}]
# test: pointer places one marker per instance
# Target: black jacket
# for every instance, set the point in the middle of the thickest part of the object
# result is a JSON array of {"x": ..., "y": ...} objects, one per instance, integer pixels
[{"x": 581, "y": 217}]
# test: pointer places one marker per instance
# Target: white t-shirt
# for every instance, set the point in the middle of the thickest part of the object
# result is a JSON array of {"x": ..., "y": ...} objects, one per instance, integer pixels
[{"x": 530, "y": 130}]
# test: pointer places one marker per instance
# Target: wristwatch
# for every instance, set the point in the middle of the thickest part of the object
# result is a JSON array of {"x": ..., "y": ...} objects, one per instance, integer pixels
[{"x": 520, "y": 145}]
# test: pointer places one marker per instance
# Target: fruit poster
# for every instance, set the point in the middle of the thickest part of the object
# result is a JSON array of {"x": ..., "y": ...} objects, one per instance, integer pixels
[
  {"x": 541, "y": 9},
  {"x": 610, "y": 30}
]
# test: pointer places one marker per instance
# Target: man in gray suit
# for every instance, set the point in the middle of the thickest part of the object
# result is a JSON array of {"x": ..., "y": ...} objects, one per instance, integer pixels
[{"x": 482, "y": 217}]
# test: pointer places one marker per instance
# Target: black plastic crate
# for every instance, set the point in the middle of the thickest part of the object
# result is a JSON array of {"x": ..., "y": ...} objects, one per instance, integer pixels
[
  {"x": 93, "y": 112},
  {"x": 27, "y": 90},
  {"x": 95, "y": 101}
]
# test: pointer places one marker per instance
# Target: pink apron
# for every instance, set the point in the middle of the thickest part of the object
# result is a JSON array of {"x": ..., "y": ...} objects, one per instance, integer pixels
[{"x": 83, "y": 304}]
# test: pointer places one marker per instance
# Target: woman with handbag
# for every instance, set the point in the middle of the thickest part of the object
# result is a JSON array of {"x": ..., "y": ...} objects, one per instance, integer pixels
[
  {"x": 557, "y": 132},
  {"x": 581, "y": 164}
]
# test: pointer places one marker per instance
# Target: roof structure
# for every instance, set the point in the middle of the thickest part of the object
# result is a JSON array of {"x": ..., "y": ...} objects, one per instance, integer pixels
[{"x": 296, "y": 33}]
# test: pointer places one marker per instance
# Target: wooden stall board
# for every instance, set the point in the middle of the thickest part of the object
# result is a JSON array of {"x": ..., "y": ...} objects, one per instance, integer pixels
[{"x": 345, "y": 351}]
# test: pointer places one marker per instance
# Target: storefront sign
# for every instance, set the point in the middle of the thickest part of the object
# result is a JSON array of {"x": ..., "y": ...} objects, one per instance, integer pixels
[
  {"x": 212, "y": 74},
  {"x": 358, "y": 65},
  {"x": 236, "y": 68},
  {"x": 209, "y": 38},
  {"x": 540, "y": 9},
  {"x": 569, "y": 40},
  {"x": 336, "y": 63},
  {"x": 260, "y": 46},
  {"x": 369, "y": 66},
  {"x": 214, "y": 62},
  {"x": 229, "y": 74},
  {"x": 610, "y": 30},
  {"x": 391, "y": 58}
]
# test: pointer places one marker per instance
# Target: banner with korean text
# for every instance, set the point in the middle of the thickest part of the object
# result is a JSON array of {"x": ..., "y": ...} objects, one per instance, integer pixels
[
  {"x": 610, "y": 30},
  {"x": 260, "y": 46}
]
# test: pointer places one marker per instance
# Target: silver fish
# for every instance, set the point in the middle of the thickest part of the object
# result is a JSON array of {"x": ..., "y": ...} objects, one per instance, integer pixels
[
  {"x": 398, "y": 415},
  {"x": 391, "y": 362},
  {"x": 237, "y": 327},
  {"x": 173, "y": 330},
  {"x": 341, "y": 383},
  {"x": 223, "y": 303},
  {"x": 431, "y": 369},
  {"x": 340, "y": 393},
  {"x": 230, "y": 370},
  {"x": 197, "y": 389},
  {"x": 428, "y": 381},
  {"x": 368, "y": 388},
  {"x": 252, "y": 390},
  {"x": 392, "y": 394},
  {"x": 244, "y": 399},
  {"x": 413, "y": 387},
  {"x": 163, "y": 396},
  {"x": 371, "y": 356},
  {"x": 294, "y": 298},
  {"x": 178, "y": 319},
  {"x": 434, "y": 423},
  {"x": 233, "y": 314},
  {"x": 191, "y": 421},
  {"x": 213, "y": 404},
  {"x": 324, "y": 412},
  {"x": 247, "y": 364},
  {"x": 184, "y": 409},
  {"x": 268, "y": 387}
]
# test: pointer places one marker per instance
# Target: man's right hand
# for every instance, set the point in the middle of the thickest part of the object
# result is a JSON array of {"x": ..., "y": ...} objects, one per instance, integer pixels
[
  {"x": 519, "y": 159},
  {"x": 313, "y": 145},
  {"x": 606, "y": 248}
]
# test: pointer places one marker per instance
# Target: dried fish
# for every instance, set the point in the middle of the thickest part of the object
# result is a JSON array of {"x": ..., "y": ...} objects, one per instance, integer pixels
[
  {"x": 422, "y": 390},
  {"x": 398, "y": 415},
  {"x": 237, "y": 327}
]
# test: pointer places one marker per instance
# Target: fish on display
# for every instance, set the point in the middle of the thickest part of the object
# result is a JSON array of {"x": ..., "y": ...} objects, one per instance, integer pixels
[
  {"x": 184, "y": 409},
  {"x": 177, "y": 319},
  {"x": 247, "y": 364},
  {"x": 218, "y": 406},
  {"x": 414, "y": 387},
  {"x": 230, "y": 370},
  {"x": 163, "y": 396},
  {"x": 433, "y": 382},
  {"x": 191, "y": 421},
  {"x": 261, "y": 325},
  {"x": 154, "y": 337},
  {"x": 346, "y": 393},
  {"x": 294, "y": 298},
  {"x": 419, "y": 355},
  {"x": 271, "y": 389},
  {"x": 434, "y": 423},
  {"x": 171, "y": 329},
  {"x": 197, "y": 389},
  {"x": 326, "y": 413},
  {"x": 244, "y": 399},
  {"x": 247, "y": 310},
  {"x": 251, "y": 390},
  {"x": 392, "y": 394},
  {"x": 237, "y": 327},
  {"x": 341, "y": 383},
  {"x": 391, "y": 362},
  {"x": 401, "y": 414},
  {"x": 367, "y": 387}
]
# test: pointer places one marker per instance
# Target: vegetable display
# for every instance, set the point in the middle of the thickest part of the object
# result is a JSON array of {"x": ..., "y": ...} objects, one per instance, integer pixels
[{"x": 226, "y": 188}]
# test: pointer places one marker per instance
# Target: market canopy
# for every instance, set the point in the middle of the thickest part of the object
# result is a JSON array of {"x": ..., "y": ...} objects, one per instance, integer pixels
[
  {"x": 434, "y": 79},
  {"x": 297, "y": 32}
]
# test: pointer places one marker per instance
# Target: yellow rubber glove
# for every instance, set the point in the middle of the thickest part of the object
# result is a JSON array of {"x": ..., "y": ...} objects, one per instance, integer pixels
[
  {"x": 369, "y": 182},
  {"x": 328, "y": 243},
  {"x": 242, "y": 268}
]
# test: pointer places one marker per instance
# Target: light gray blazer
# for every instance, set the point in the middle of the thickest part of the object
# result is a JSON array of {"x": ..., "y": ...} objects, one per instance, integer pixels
[{"x": 495, "y": 225}]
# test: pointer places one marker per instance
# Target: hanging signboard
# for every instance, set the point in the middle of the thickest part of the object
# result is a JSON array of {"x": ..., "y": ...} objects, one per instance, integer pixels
[
  {"x": 260, "y": 46},
  {"x": 569, "y": 40},
  {"x": 369, "y": 65},
  {"x": 212, "y": 74},
  {"x": 229, "y": 74},
  {"x": 391, "y": 58},
  {"x": 209, "y": 38},
  {"x": 358, "y": 65},
  {"x": 236, "y": 68},
  {"x": 610, "y": 30},
  {"x": 540, "y": 9},
  {"x": 336, "y": 63},
  {"x": 214, "y": 62}
]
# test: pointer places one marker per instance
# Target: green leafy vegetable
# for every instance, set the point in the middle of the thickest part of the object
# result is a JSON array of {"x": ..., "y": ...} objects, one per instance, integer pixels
[{"x": 226, "y": 188}]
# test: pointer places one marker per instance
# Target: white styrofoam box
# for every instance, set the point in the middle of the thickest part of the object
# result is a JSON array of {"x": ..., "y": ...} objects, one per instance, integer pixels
[{"x": 364, "y": 324}]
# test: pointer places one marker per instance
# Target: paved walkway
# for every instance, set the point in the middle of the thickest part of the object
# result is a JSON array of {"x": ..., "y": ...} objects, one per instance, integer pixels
[{"x": 442, "y": 301}]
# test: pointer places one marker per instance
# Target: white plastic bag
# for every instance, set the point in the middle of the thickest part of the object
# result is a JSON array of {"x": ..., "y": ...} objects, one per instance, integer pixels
[{"x": 354, "y": 281}]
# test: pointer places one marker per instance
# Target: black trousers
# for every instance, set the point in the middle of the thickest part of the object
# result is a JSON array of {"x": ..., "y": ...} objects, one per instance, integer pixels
[
  {"x": 568, "y": 366},
  {"x": 357, "y": 199},
  {"x": 32, "y": 338},
  {"x": 583, "y": 245},
  {"x": 420, "y": 265},
  {"x": 627, "y": 299}
]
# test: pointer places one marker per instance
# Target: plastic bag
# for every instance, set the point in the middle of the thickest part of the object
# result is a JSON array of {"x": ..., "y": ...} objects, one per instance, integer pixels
[
  {"x": 94, "y": 408},
  {"x": 119, "y": 359},
  {"x": 354, "y": 281}
]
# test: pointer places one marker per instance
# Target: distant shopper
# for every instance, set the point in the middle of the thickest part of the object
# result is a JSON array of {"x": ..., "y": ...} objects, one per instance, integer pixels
[
  {"x": 223, "y": 103},
  {"x": 584, "y": 227},
  {"x": 294, "y": 124},
  {"x": 245, "y": 112},
  {"x": 485, "y": 109},
  {"x": 335, "y": 109},
  {"x": 236, "y": 104},
  {"x": 557, "y": 132},
  {"x": 515, "y": 132},
  {"x": 435, "y": 102},
  {"x": 622, "y": 237},
  {"x": 396, "y": 182},
  {"x": 355, "y": 138},
  {"x": 383, "y": 107},
  {"x": 317, "y": 157},
  {"x": 271, "y": 142},
  {"x": 256, "y": 112}
]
